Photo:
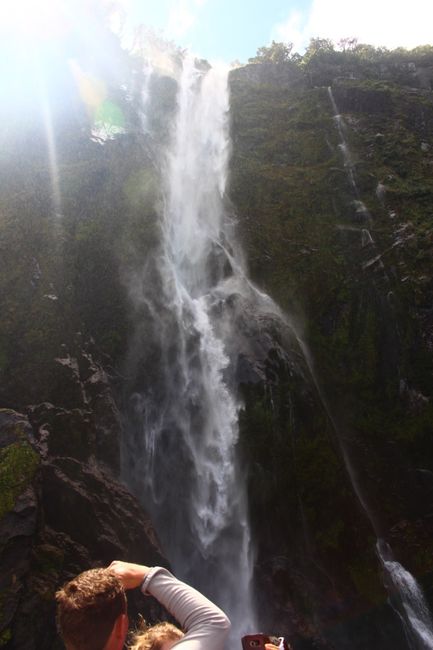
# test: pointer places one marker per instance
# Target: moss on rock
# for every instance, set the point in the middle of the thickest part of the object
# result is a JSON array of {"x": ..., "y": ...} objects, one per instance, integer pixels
[
  {"x": 18, "y": 464},
  {"x": 357, "y": 279}
]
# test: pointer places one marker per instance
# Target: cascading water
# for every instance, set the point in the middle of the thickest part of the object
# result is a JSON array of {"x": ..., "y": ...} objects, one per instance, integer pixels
[
  {"x": 361, "y": 212},
  {"x": 407, "y": 599},
  {"x": 361, "y": 209},
  {"x": 184, "y": 423}
]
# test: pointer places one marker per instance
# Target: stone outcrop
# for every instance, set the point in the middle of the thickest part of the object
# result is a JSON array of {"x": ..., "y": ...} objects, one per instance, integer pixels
[{"x": 65, "y": 510}]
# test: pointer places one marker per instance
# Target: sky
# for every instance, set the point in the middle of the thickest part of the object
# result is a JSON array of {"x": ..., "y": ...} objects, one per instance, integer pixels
[{"x": 229, "y": 30}]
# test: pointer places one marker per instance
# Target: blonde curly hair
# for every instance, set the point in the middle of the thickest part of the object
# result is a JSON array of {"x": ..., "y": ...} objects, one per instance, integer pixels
[{"x": 153, "y": 637}]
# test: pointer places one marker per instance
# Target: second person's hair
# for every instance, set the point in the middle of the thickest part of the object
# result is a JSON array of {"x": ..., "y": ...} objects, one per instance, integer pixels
[{"x": 153, "y": 637}]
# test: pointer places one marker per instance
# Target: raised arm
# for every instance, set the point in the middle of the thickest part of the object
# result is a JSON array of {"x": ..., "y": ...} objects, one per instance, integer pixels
[{"x": 205, "y": 625}]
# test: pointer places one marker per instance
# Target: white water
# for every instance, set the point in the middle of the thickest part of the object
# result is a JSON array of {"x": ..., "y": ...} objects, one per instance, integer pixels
[
  {"x": 145, "y": 93},
  {"x": 194, "y": 488},
  {"x": 407, "y": 599},
  {"x": 360, "y": 210},
  {"x": 196, "y": 170},
  {"x": 343, "y": 146},
  {"x": 196, "y": 176},
  {"x": 349, "y": 165},
  {"x": 381, "y": 192}
]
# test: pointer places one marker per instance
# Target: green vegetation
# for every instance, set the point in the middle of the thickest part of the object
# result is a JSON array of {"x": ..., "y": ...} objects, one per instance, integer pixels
[
  {"x": 364, "y": 307},
  {"x": 275, "y": 53},
  {"x": 18, "y": 463},
  {"x": 346, "y": 51},
  {"x": 5, "y": 637},
  {"x": 66, "y": 274}
]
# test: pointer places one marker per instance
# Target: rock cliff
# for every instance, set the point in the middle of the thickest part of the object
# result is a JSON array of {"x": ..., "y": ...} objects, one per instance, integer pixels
[
  {"x": 331, "y": 189},
  {"x": 63, "y": 509},
  {"x": 331, "y": 182}
]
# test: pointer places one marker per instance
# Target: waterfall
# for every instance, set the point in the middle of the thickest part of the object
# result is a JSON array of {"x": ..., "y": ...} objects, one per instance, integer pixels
[
  {"x": 184, "y": 421},
  {"x": 407, "y": 599}
]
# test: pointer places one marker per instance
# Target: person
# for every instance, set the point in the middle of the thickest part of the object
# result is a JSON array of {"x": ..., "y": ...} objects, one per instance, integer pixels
[
  {"x": 162, "y": 636},
  {"x": 91, "y": 612},
  {"x": 91, "y": 609}
]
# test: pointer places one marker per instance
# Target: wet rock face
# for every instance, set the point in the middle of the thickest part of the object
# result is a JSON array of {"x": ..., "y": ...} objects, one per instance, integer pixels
[
  {"x": 18, "y": 521},
  {"x": 356, "y": 272},
  {"x": 85, "y": 418},
  {"x": 368, "y": 100},
  {"x": 67, "y": 510},
  {"x": 361, "y": 285},
  {"x": 260, "y": 339},
  {"x": 269, "y": 74}
]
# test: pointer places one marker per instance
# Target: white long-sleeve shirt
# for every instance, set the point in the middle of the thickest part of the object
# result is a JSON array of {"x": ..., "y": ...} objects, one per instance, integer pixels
[{"x": 205, "y": 625}]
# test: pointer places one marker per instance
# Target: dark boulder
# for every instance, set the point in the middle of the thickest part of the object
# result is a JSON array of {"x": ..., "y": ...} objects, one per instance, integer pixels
[{"x": 63, "y": 513}]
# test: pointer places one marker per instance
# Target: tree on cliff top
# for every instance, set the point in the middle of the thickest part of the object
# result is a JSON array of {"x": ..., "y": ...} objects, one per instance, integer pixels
[{"x": 274, "y": 53}]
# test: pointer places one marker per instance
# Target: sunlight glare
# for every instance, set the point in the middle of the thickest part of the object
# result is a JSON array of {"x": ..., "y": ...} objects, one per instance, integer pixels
[{"x": 40, "y": 19}]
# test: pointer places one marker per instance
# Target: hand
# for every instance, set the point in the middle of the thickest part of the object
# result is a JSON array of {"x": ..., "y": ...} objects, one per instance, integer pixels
[{"x": 130, "y": 575}]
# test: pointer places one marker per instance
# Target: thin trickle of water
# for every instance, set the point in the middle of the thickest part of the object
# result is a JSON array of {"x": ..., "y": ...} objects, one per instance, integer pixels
[
  {"x": 407, "y": 599},
  {"x": 361, "y": 210},
  {"x": 375, "y": 261},
  {"x": 343, "y": 146},
  {"x": 381, "y": 192},
  {"x": 349, "y": 165},
  {"x": 145, "y": 94},
  {"x": 361, "y": 213},
  {"x": 353, "y": 476},
  {"x": 406, "y": 596},
  {"x": 411, "y": 608},
  {"x": 366, "y": 238}
]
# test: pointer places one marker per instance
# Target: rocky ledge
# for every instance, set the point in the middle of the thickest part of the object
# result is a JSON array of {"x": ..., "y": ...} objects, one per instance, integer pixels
[{"x": 62, "y": 506}]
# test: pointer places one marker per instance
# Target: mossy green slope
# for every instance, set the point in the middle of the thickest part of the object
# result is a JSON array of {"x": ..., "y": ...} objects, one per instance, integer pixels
[{"x": 357, "y": 280}]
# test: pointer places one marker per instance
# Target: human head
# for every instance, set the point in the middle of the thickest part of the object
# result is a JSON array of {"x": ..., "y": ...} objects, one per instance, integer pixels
[
  {"x": 157, "y": 637},
  {"x": 91, "y": 612}
]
